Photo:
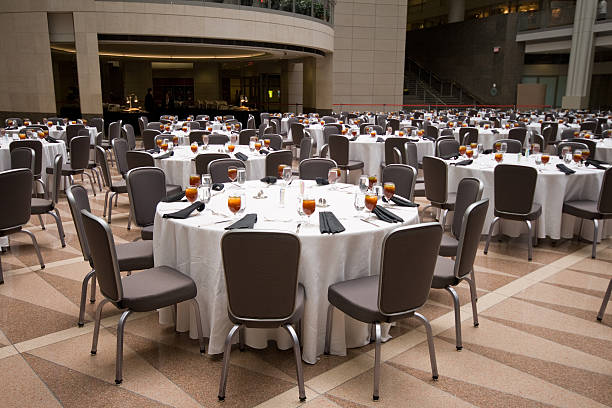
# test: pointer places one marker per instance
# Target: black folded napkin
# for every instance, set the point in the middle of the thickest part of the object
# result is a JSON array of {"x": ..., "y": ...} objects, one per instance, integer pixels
[
  {"x": 241, "y": 156},
  {"x": 401, "y": 201},
  {"x": 248, "y": 221},
  {"x": 595, "y": 163},
  {"x": 151, "y": 151},
  {"x": 10, "y": 128},
  {"x": 51, "y": 139},
  {"x": 495, "y": 131},
  {"x": 386, "y": 215},
  {"x": 218, "y": 186},
  {"x": 263, "y": 151},
  {"x": 380, "y": 140},
  {"x": 321, "y": 181},
  {"x": 488, "y": 151},
  {"x": 174, "y": 197},
  {"x": 58, "y": 127},
  {"x": 463, "y": 162},
  {"x": 165, "y": 155},
  {"x": 186, "y": 212},
  {"x": 562, "y": 167},
  {"x": 429, "y": 138},
  {"x": 268, "y": 179},
  {"x": 329, "y": 224}
]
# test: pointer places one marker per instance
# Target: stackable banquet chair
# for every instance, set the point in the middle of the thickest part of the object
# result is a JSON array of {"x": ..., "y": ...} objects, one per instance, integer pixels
[
  {"x": 604, "y": 303},
  {"x": 262, "y": 289},
  {"x": 42, "y": 206},
  {"x": 435, "y": 172},
  {"x": 15, "y": 201},
  {"x": 245, "y": 135},
  {"x": 145, "y": 291},
  {"x": 131, "y": 256},
  {"x": 311, "y": 169},
  {"x": 114, "y": 187},
  {"x": 395, "y": 142},
  {"x": 146, "y": 187},
  {"x": 404, "y": 178},
  {"x": 518, "y": 134},
  {"x": 297, "y": 133},
  {"x": 339, "y": 152},
  {"x": 217, "y": 139},
  {"x": 306, "y": 148},
  {"x": 276, "y": 141},
  {"x": 136, "y": 159},
  {"x": 413, "y": 161},
  {"x": 514, "y": 146},
  {"x": 154, "y": 125},
  {"x": 148, "y": 138},
  {"x": 468, "y": 135},
  {"x": 274, "y": 159},
  {"x": 79, "y": 161},
  {"x": 397, "y": 292},
  {"x": 447, "y": 148},
  {"x": 590, "y": 143},
  {"x": 202, "y": 161},
  {"x": 23, "y": 158},
  {"x": 36, "y": 146},
  {"x": 196, "y": 136},
  {"x": 114, "y": 131},
  {"x": 514, "y": 190},
  {"x": 218, "y": 169},
  {"x": 572, "y": 146},
  {"x": 120, "y": 149}
]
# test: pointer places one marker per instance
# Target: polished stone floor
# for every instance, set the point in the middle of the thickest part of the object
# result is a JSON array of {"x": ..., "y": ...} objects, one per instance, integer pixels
[{"x": 538, "y": 343}]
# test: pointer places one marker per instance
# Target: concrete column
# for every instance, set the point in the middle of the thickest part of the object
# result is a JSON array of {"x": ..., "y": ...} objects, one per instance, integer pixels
[
  {"x": 284, "y": 85},
  {"x": 582, "y": 53},
  {"x": 295, "y": 87},
  {"x": 206, "y": 81},
  {"x": 309, "y": 84},
  {"x": 137, "y": 78},
  {"x": 318, "y": 86},
  {"x": 88, "y": 63},
  {"x": 456, "y": 11}
]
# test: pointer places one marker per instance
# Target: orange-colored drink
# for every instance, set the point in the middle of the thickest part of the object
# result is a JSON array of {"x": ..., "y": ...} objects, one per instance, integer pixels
[
  {"x": 231, "y": 148},
  {"x": 175, "y": 140},
  {"x": 185, "y": 129},
  {"x": 469, "y": 153},
  {"x": 497, "y": 146},
  {"x": 22, "y": 136},
  {"x": 210, "y": 128},
  {"x": 577, "y": 157},
  {"x": 267, "y": 143},
  {"x": 586, "y": 154},
  {"x": 194, "y": 148},
  {"x": 370, "y": 201},
  {"x": 280, "y": 170},
  {"x": 195, "y": 180},
  {"x": 232, "y": 173},
  {"x": 234, "y": 203},
  {"x": 308, "y": 206},
  {"x": 462, "y": 150},
  {"x": 545, "y": 158},
  {"x": 473, "y": 145},
  {"x": 371, "y": 181},
  {"x": 164, "y": 146},
  {"x": 191, "y": 193},
  {"x": 257, "y": 146},
  {"x": 499, "y": 157},
  {"x": 158, "y": 142},
  {"x": 401, "y": 133},
  {"x": 388, "y": 190},
  {"x": 373, "y": 134}
]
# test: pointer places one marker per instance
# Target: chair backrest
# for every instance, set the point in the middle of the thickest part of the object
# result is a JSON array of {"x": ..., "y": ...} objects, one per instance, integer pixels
[
  {"x": 539, "y": 139},
  {"x": 146, "y": 187},
  {"x": 15, "y": 198},
  {"x": 131, "y": 137},
  {"x": 193, "y": 125},
  {"x": 604, "y": 204},
  {"x": 469, "y": 238},
  {"x": 381, "y": 120},
  {"x": 324, "y": 151},
  {"x": 262, "y": 129},
  {"x": 339, "y": 149},
  {"x": 244, "y": 137},
  {"x": 72, "y": 131},
  {"x": 262, "y": 282},
  {"x": 196, "y": 136},
  {"x": 251, "y": 122},
  {"x": 394, "y": 123},
  {"x": 329, "y": 130},
  {"x": 404, "y": 287},
  {"x": 514, "y": 146},
  {"x": 589, "y": 125},
  {"x": 514, "y": 188},
  {"x": 35, "y": 145},
  {"x": 217, "y": 139},
  {"x": 328, "y": 119},
  {"x": 310, "y": 169},
  {"x": 572, "y": 145},
  {"x": 114, "y": 130},
  {"x": 58, "y": 162},
  {"x": 469, "y": 191},
  {"x": 104, "y": 256},
  {"x": 154, "y": 125},
  {"x": 435, "y": 175},
  {"x": 392, "y": 142},
  {"x": 79, "y": 152},
  {"x": 447, "y": 132},
  {"x": 104, "y": 169},
  {"x": 447, "y": 148},
  {"x": 404, "y": 178},
  {"x": 567, "y": 134},
  {"x": 591, "y": 144},
  {"x": 120, "y": 149},
  {"x": 142, "y": 125},
  {"x": 14, "y": 121},
  {"x": 276, "y": 141},
  {"x": 306, "y": 148},
  {"x": 218, "y": 169},
  {"x": 518, "y": 134},
  {"x": 148, "y": 138},
  {"x": 273, "y": 159},
  {"x": 139, "y": 159},
  {"x": 23, "y": 158},
  {"x": 202, "y": 161},
  {"x": 431, "y": 132},
  {"x": 77, "y": 201},
  {"x": 297, "y": 133}
]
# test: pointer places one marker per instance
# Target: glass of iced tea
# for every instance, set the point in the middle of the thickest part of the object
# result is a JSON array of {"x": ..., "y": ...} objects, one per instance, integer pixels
[
  {"x": 371, "y": 198},
  {"x": 22, "y": 136},
  {"x": 545, "y": 159},
  {"x": 388, "y": 190},
  {"x": 175, "y": 140},
  {"x": 210, "y": 128},
  {"x": 267, "y": 143},
  {"x": 401, "y": 133},
  {"x": 462, "y": 150},
  {"x": 577, "y": 157},
  {"x": 49, "y": 123},
  {"x": 185, "y": 129},
  {"x": 585, "y": 154},
  {"x": 279, "y": 170},
  {"x": 41, "y": 134},
  {"x": 164, "y": 145},
  {"x": 257, "y": 145},
  {"x": 373, "y": 134},
  {"x": 194, "y": 147},
  {"x": 309, "y": 205},
  {"x": 191, "y": 193},
  {"x": 498, "y": 146},
  {"x": 354, "y": 132},
  {"x": 499, "y": 157},
  {"x": 372, "y": 180},
  {"x": 234, "y": 203},
  {"x": 195, "y": 180},
  {"x": 469, "y": 153},
  {"x": 231, "y": 148},
  {"x": 232, "y": 173},
  {"x": 158, "y": 142}
]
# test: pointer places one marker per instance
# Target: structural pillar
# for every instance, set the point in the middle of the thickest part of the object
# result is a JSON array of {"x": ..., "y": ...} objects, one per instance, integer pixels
[
  {"x": 309, "y": 93},
  {"x": 582, "y": 54},
  {"x": 295, "y": 86},
  {"x": 318, "y": 86},
  {"x": 456, "y": 11},
  {"x": 88, "y": 63}
]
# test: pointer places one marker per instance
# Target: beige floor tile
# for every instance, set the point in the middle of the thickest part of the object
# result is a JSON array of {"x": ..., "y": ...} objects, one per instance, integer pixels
[
  {"x": 542, "y": 292},
  {"x": 21, "y": 387}
]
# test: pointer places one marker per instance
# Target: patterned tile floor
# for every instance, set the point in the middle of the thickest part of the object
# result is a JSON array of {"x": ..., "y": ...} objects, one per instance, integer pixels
[{"x": 538, "y": 343}]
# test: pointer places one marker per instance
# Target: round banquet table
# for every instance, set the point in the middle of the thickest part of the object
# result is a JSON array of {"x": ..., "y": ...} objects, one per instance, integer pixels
[
  {"x": 603, "y": 151},
  {"x": 181, "y": 165},
  {"x": 486, "y": 136},
  {"x": 552, "y": 188},
  {"x": 193, "y": 247},
  {"x": 50, "y": 150},
  {"x": 372, "y": 153}
]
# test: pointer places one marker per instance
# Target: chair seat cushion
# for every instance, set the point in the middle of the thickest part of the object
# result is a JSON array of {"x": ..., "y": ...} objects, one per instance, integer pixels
[
  {"x": 134, "y": 256},
  {"x": 66, "y": 170},
  {"x": 584, "y": 209},
  {"x": 119, "y": 187},
  {"x": 296, "y": 316},
  {"x": 172, "y": 189},
  {"x": 351, "y": 165},
  {"x": 444, "y": 274},
  {"x": 534, "y": 214},
  {"x": 155, "y": 288},
  {"x": 92, "y": 165},
  {"x": 449, "y": 204},
  {"x": 358, "y": 298},
  {"x": 41, "y": 206},
  {"x": 448, "y": 245},
  {"x": 146, "y": 233}
]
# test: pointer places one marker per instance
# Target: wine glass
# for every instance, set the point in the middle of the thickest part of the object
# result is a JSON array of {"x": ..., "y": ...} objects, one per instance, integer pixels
[
  {"x": 233, "y": 138},
  {"x": 232, "y": 173},
  {"x": 204, "y": 194},
  {"x": 545, "y": 159},
  {"x": 504, "y": 147},
  {"x": 499, "y": 157},
  {"x": 257, "y": 145},
  {"x": 194, "y": 147},
  {"x": 469, "y": 153},
  {"x": 195, "y": 180},
  {"x": 359, "y": 202},
  {"x": 164, "y": 145},
  {"x": 234, "y": 203},
  {"x": 578, "y": 158},
  {"x": 332, "y": 176},
  {"x": 308, "y": 206},
  {"x": 585, "y": 154},
  {"x": 372, "y": 180},
  {"x": 462, "y": 150},
  {"x": 388, "y": 190},
  {"x": 370, "y": 200},
  {"x": 241, "y": 176},
  {"x": 191, "y": 193},
  {"x": 536, "y": 148},
  {"x": 363, "y": 183},
  {"x": 267, "y": 143},
  {"x": 287, "y": 173},
  {"x": 230, "y": 148}
]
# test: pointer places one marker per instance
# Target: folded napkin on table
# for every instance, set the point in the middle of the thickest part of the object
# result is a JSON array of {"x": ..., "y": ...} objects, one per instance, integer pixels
[
  {"x": 401, "y": 201},
  {"x": 165, "y": 155},
  {"x": 595, "y": 163},
  {"x": 562, "y": 167},
  {"x": 248, "y": 221},
  {"x": 463, "y": 162},
  {"x": 321, "y": 181},
  {"x": 186, "y": 212},
  {"x": 380, "y": 140},
  {"x": 386, "y": 215},
  {"x": 488, "y": 151},
  {"x": 263, "y": 151},
  {"x": 151, "y": 151},
  {"x": 329, "y": 224},
  {"x": 51, "y": 139},
  {"x": 429, "y": 138},
  {"x": 495, "y": 131},
  {"x": 217, "y": 186},
  {"x": 268, "y": 179},
  {"x": 174, "y": 197},
  {"x": 241, "y": 156},
  {"x": 59, "y": 128}
]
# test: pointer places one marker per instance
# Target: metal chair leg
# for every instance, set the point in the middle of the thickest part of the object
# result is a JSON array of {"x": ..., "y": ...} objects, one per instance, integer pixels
[
  {"x": 226, "y": 358},
  {"x": 105, "y": 203},
  {"x": 602, "y": 309},
  {"x": 35, "y": 243},
  {"x": 375, "y": 394},
  {"x": 298, "y": 361},
  {"x": 84, "y": 297},
  {"x": 196, "y": 311},
  {"x": 443, "y": 220},
  {"x": 94, "y": 341},
  {"x": 328, "y": 328},
  {"x": 93, "y": 188},
  {"x": 60, "y": 227},
  {"x": 595, "y": 236},
  {"x": 110, "y": 207},
  {"x": 92, "y": 298},
  {"x": 430, "y": 343},
  {"x": 1, "y": 274},
  {"x": 42, "y": 224},
  {"x": 529, "y": 240},
  {"x": 241, "y": 335},
  {"x": 119, "y": 360},
  {"x": 457, "y": 308},
  {"x": 116, "y": 200},
  {"x": 473, "y": 297},
  {"x": 486, "y": 248},
  {"x": 129, "y": 224}
]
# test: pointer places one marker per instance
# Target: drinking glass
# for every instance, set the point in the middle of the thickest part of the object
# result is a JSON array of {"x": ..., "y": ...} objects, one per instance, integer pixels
[
  {"x": 585, "y": 154},
  {"x": 158, "y": 142},
  {"x": 205, "y": 141},
  {"x": 538, "y": 160},
  {"x": 287, "y": 173},
  {"x": 567, "y": 157},
  {"x": 308, "y": 206},
  {"x": 480, "y": 148},
  {"x": 267, "y": 143},
  {"x": 234, "y": 203},
  {"x": 279, "y": 170},
  {"x": 195, "y": 180},
  {"x": 332, "y": 176},
  {"x": 241, "y": 176},
  {"x": 164, "y": 145},
  {"x": 191, "y": 193},
  {"x": 251, "y": 146},
  {"x": 204, "y": 194},
  {"x": 175, "y": 140},
  {"x": 207, "y": 180},
  {"x": 359, "y": 202},
  {"x": 498, "y": 146},
  {"x": 469, "y": 153},
  {"x": 257, "y": 145},
  {"x": 233, "y": 138},
  {"x": 545, "y": 158},
  {"x": 230, "y": 148},
  {"x": 462, "y": 150},
  {"x": 504, "y": 147},
  {"x": 388, "y": 190},
  {"x": 578, "y": 157},
  {"x": 232, "y": 173},
  {"x": 370, "y": 200},
  {"x": 194, "y": 147},
  {"x": 536, "y": 148},
  {"x": 499, "y": 157},
  {"x": 372, "y": 180},
  {"x": 363, "y": 183}
]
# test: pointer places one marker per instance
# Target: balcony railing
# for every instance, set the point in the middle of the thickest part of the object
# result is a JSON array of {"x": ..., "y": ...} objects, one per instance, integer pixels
[
  {"x": 318, "y": 9},
  {"x": 537, "y": 20}
]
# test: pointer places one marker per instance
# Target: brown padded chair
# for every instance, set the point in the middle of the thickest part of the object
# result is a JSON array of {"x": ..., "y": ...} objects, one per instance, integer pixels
[
  {"x": 605, "y": 301},
  {"x": 145, "y": 291},
  {"x": 131, "y": 256},
  {"x": 79, "y": 161},
  {"x": 120, "y": 149},
  {"x": 244, "y": 137},
  {"x": 196, "y": 136},
  {"x": 395, "y": 142},
  {"x": 217, "y": 139},
  {"x": 447, "y": 148},
  {"x": 514, "y": 189},
  {"x": 148, "y": 138},
  {"x": 413, "y": 161},
  {"x": 396, "y": 293},
  {"x": 15, "y": 200},
  {"x": 35, "y": 145},
  {"x": 262, "y": 289},
  {"x": 469, "y": 191},
  {"x": 218, "y": 169},
  {"x": 276, "y": 141},
  {"x": 468, "y": 135},
  {"x": 572, "y": 146},
  {"x": 310, "y": 169},
  {"x": 339, "y": 152},
  {"x": 519, "y": 134},
  {"x": 450, "y": 272},
  {"x": 403, "y": 176},
  {"x": 590, "y": 143},
  {"x": 41, "y": 206},
  {"x": 146, "y": 187},
  {"x": 513, "y": 146},
  {"x": 435, "y": 171},
  {"x": 202, "y": 161},
  {"x": 23, "y": 158},
  {"x": 593, "y": 210},
  {"x": 274, "y": 159},
  {"x": 114, "y": 187}
]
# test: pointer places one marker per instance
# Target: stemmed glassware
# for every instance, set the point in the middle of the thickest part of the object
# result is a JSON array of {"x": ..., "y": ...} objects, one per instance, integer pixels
[
  {"x": 308, "y": 206},
  {"x": 363, "y": 183}
]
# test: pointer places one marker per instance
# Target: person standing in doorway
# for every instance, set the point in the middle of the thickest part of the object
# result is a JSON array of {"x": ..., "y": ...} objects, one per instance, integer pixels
[{"x": 149, "y": 104}]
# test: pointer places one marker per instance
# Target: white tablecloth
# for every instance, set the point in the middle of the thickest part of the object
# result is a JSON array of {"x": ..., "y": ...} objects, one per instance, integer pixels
[
  {"x": 179, "y": 167},
  {"x": 50, "y": 150},
  {"x": 193, "y": 247},
  {"x": 486, "y": 136},
  {"x": 603, "y": 151},
  {"x": 552, "y": 188}
]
